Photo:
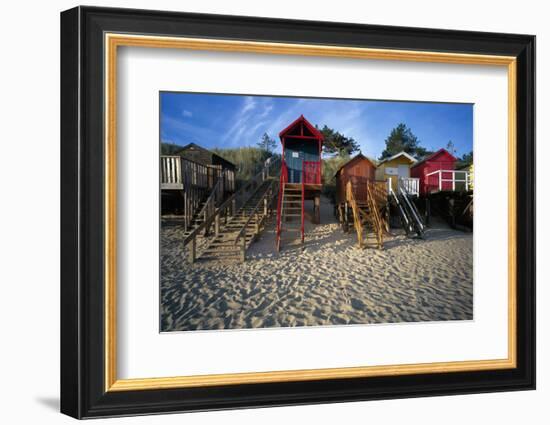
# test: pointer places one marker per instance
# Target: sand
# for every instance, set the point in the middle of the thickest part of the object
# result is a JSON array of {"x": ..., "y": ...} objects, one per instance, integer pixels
[{"x": 330, "y": 281}]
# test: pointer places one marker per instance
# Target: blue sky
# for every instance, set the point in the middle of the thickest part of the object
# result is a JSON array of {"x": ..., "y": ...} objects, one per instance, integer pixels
[{"x": 227, "y": 121}]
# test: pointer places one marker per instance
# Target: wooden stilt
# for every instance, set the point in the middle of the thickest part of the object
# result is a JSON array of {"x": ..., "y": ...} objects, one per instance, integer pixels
[
  {"x": 192, "y": 251},
  {"x": 217, "y": 225},
  {"x": 317, "y": 209},
  {"x": 243, "y": 249}
]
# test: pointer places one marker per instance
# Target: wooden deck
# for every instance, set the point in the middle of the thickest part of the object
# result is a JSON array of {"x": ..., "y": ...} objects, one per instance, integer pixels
[{"x": 311, "y": 191}]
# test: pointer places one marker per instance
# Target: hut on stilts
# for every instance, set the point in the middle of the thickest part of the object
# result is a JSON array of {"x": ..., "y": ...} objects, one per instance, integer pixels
[
  {"x": 300, "y": 178},
  {"x": 361, "y": 201}
]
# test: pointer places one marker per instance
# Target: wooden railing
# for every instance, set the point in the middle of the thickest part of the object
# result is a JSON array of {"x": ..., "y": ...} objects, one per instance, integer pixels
[
  {"x": 228, "y": 208},
  {"x": 376, "y": 199},
  {"x": 214, "y": 199},
  {"x": 357, "y": 221},
  {"x": 375, "y": 216},
  {"x": 178, "y": 173},
  {"x": 170, "y": 173},
  {"x": 195, "y": 181},
  {"x": 265, "y": 203}
]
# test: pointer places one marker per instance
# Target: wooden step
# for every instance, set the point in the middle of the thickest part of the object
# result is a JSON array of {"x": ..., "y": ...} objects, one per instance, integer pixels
[
  {"x": 235, "y": 257},
  {"x": 222, "y": 253}
]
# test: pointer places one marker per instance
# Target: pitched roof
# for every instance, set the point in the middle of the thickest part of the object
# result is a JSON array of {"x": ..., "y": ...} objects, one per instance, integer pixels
[
  {"x": 358, "y": 156},
  {"x": 316, "y": 133},
  {"x": 433, "y": 155},
  {"x": 397, "y": 155},
  {"x": 205, "y": 156}
]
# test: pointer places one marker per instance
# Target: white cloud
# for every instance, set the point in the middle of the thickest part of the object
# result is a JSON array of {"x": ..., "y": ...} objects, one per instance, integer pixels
[
  {"x": 241, "y": 121},
  {"x": 249, "y": 104},
  {"x": 187, "y": 114}
]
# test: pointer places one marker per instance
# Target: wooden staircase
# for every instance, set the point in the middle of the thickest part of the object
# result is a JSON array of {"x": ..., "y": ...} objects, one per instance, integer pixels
[
  {"x": 290, "y": 212},
  {"x": 232, "y": 239},
  {"x": 196, "y": 218},
  {"x": 367, "y": 213}
]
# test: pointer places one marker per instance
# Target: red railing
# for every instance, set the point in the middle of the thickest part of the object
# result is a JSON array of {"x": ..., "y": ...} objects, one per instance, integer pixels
[
  {"x": 282, "y": 180},
  {"x": 303, "y": 201},
  {"x": 311, "y": 172}
]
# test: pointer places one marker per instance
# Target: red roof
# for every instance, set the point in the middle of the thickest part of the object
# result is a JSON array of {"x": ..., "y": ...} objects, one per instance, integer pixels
[
  {"x": 433, "y": 155},
  {"x": 302, "y": 120}
]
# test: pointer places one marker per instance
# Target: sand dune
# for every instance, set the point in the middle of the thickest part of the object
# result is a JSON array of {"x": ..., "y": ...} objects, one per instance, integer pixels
[{"x": 328, "y": 282}]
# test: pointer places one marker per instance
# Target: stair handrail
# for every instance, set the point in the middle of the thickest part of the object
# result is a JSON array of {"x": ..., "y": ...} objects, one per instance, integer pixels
[
  {"x": 213, "y": 198},
  {"x": 373, "y": 206},
  {"x": 228, "y": 202},
  {"x": 350, "y": 197},
  {"x": 282, "y": 181},
  {"x": 411, "y": 207},
  {"x": 255, "y": 210}
]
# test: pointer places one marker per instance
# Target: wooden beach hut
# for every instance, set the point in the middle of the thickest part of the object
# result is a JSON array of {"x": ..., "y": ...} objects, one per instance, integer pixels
[
  {"x": 358, "y": 170},
  {"x": 193, "y": 180},
  {"x": 360, "y": 200},
  {"x": 213, "y": 161},
  {"x": 437, "y": 173},
  {"x": 398, "y": 167},
  {"x": 300, "y": 178}
]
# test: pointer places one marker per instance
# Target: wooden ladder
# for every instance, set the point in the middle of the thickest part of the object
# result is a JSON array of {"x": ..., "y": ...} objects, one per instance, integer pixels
[{"x": 290, "y": 208}]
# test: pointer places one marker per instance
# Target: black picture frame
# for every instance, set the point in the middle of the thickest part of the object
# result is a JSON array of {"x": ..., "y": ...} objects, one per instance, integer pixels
[{"x": 82, "y": 206}]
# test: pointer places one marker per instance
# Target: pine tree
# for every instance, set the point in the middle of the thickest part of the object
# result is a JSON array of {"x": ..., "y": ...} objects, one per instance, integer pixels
[
  {"x": 402, "y": 139},
  {"x": 267, "y": 143},
  {"x": 336, "y": 143}
]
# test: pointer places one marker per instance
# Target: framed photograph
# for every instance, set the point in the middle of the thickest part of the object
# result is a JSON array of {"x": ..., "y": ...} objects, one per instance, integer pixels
[{"x": 261, "y": 212}]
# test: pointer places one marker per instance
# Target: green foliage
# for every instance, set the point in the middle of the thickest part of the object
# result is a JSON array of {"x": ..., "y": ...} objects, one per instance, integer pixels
[
  {"x": 249, "y": 160},
  {"x": 336, "y": 143},
  {"x": 465, "y": 160},
  {"x": 330, "y": 166},
  {"x": 267, "y": 143},
  {"x": 169, "y": 149},
  {"x": 401, "y": 139}
]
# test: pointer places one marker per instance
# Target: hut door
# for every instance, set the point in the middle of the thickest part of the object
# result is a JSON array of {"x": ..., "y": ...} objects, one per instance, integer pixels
[
  {"x": 294, "y": 159},
  {"x": 403, "y": 171}
]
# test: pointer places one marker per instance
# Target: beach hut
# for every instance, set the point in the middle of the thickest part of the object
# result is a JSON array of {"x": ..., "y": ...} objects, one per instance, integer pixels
[
  {"x": 359, "y": 170},
  {"x": 300, "y": 178},
  {"x": 398, "y": 167},
  {"x": 437, "y": 173},
  {"x": 302, "y": 143},
  {"x": 360, "y": 200},
  {"x": 213, "y": 161}
]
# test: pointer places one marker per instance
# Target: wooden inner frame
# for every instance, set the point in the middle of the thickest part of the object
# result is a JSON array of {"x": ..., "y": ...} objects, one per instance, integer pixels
[{"x": 112, "y": 41}]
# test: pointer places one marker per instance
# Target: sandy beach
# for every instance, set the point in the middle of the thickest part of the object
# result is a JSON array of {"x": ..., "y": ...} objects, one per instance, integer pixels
[{"x": 329, "y": 281}]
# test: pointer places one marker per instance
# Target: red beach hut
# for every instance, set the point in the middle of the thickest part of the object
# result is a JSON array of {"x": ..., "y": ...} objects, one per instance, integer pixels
[{"x": 435, "y": 172}]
